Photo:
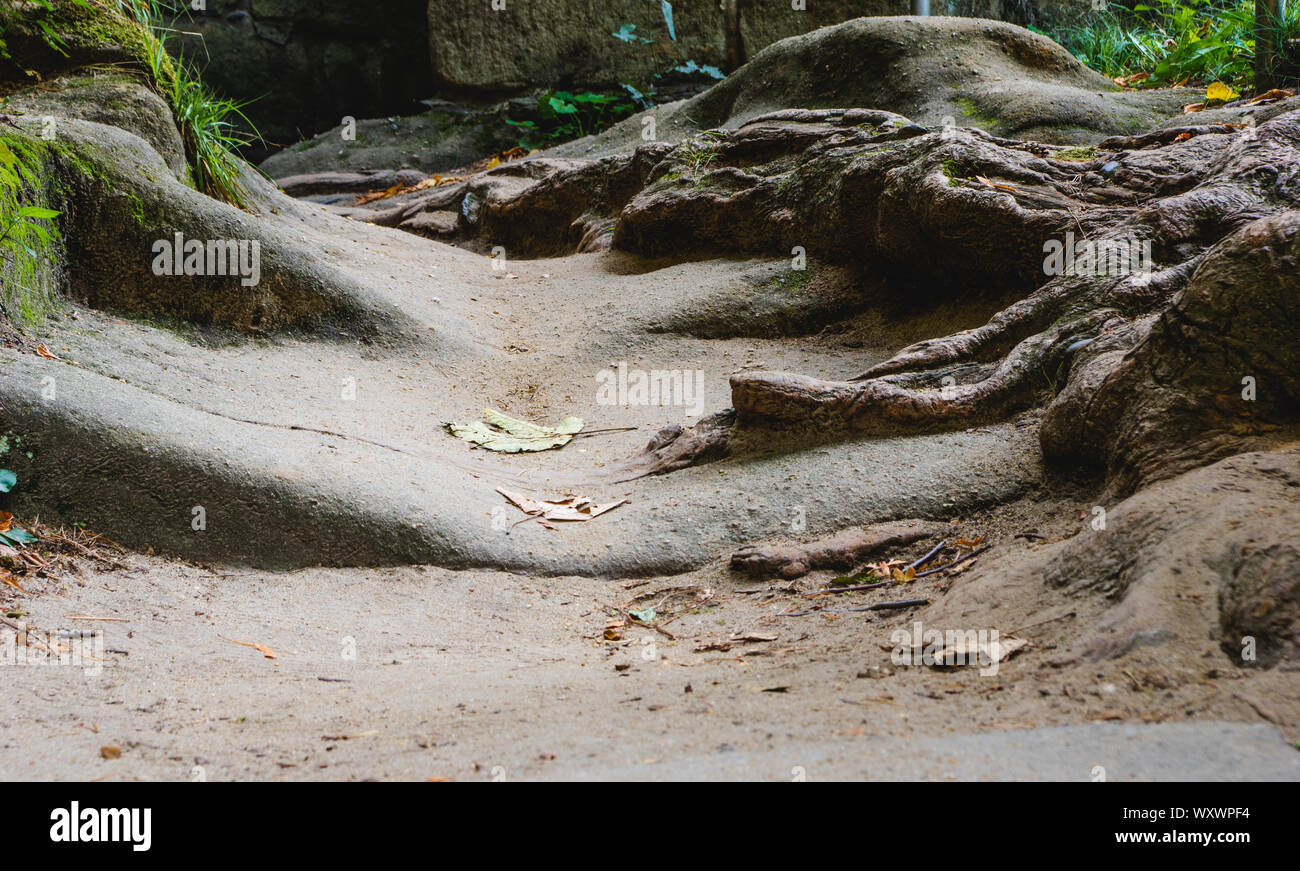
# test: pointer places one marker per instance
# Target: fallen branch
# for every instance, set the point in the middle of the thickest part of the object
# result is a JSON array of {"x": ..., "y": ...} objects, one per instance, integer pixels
[
  {"x": 879, "y": 606},
  {"x": 954, "y": 563},
  {"x": 929, "y": 556}
]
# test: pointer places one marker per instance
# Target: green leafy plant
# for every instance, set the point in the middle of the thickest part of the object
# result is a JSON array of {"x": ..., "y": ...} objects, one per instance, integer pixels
[
  {"x": 213, "y": 128},
  {"x": 10, "y": 534},
  {"x": 700, "y": 152},
  {"x": 52, "y": 37},
  {"x": 644, "y": 97},
  {"x": 564, "y": 115},
  {"x": 25, "y": 231},
  {"x": 1175, "y": 40}
]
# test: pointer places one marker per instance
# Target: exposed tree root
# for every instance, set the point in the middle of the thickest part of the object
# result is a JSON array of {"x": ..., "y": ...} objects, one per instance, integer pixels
[
  {"x": 948, "y": 211},
  {"x": 840, "y": 551}
]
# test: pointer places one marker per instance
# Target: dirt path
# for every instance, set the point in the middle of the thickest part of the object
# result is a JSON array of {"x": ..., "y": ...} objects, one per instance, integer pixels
[
  {"x": 482, "y": 673},
  {"x": 1152, "y": 628},
  {"x": 417, "y": 672}
]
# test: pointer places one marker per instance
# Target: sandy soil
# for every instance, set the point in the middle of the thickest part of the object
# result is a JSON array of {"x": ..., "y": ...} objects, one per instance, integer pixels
[{"x": 418, "y": 672}]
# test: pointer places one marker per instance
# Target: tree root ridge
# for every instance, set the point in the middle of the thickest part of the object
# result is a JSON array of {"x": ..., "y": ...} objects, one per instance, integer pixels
[{"x": 843, "y": 550}]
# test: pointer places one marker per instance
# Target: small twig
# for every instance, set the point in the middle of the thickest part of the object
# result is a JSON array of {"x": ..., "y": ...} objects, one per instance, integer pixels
[
  {"x": 1064, "y": 616},
  {"x": 955, "y": 562},
  {"x": 853, "y": 589},
  {"x": 592, "y": 432},
  {"x": 662, "y": 631},
  {"x": 929, "y": 556},
  {"x": 1030, "y": 535},
  {"x": 879, "y": 606}
]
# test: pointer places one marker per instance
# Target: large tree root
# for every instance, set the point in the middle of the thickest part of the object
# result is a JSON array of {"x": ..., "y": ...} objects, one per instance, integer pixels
[
  {"x": 1226, "y": 181},
  {"x": 935, "y": 212},
  {"x": 939, "y": 213}
]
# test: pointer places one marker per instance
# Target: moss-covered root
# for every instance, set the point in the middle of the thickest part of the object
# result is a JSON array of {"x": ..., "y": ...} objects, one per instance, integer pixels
[
  {"x": 68, "y": 36},
  {"x": 32, "y": 250},
  {"x": 124, "y": 212}
]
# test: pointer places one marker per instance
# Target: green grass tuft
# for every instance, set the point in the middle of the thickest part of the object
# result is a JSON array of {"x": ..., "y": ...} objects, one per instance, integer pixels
[
  {"x": 1198, "y": 41},
  {"x": 213, "y": 128}
]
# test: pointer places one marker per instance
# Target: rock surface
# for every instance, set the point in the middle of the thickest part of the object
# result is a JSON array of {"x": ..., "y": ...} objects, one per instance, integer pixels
[{"x": 307, "y": 64}]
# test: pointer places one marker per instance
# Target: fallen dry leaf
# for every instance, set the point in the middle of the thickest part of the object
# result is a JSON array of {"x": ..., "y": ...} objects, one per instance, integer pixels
[
  {"x": 260, "y": 648},
  {"x": 9, "y": 579},
  {"x": 574, "y": 508},
  {"x": 1270, "y": 97},
  {"x": 501, "y": 432},
  {"x": 984, "y": 652},
  {"x": 1219, "y": 92},
  {"x": 46, "y": 352},
  {"x": 380, "y": 195},
  {"x": 988, "y": 182},
  {"x": 6, "y": 521},
  {"x": 110, "y": 751},
  {"x": 1129, "y": 81},
  {"x": 1193, "y": 107}
]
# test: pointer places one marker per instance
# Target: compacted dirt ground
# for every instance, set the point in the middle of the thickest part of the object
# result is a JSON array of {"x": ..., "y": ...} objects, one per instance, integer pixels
[{"x": 424, "y": 673}]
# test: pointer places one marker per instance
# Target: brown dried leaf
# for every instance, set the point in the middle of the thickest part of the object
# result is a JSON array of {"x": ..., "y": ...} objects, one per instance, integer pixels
[
  {"x": 380, "y": 195},
  {"x": 1270, "y": 97},
  {"x": 574, "y": 508},
  {"x": 260, "y": 648},
  {"x": 9, "y": 579}
]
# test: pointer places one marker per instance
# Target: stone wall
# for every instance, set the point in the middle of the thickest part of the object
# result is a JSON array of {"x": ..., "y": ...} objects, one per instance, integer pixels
[
  {"x": 476, "y": 46},
  {"x": 310, "y": 62}
]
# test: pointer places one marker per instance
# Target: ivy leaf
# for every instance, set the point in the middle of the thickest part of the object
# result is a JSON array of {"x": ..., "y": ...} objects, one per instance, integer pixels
[
  {"x": 668, "y": 18},
  {"x": 18, "y": 536},
  {"x": 562, "y": 108},
  {"x": 509, "y": 435},
  {"x": 7, "y": 480}
]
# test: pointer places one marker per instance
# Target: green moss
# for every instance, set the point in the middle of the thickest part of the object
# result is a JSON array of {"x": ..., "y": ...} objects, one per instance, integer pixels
[
  {"x": 31, "y": 248},
  {"x": 105, "y": 24},
  {"x": 1080, "y": 152},
  {"x": 973, "y": 112},
  {"x": 790, "y": 281}
]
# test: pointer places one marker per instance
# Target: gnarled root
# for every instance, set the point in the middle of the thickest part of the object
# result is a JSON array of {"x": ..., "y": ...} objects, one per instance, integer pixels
[
  {"x": 840, "y": 551},
  {"x": 882, "y": 405},
  {"x": 676, "y": 447}
]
